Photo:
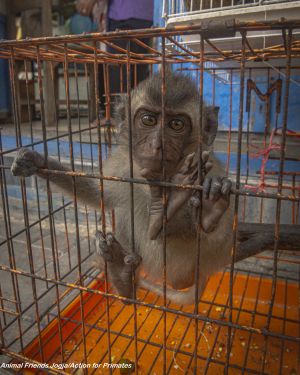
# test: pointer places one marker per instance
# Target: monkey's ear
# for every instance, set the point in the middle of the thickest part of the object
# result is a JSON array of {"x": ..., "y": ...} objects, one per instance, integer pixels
[
  {"x": 120, "y": 108},
  {"x": 210, "y": 124},
  {"x": 120, "y": 113}
]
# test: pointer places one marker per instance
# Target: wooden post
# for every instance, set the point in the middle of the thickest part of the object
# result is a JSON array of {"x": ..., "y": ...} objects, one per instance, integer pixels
[
  {"x": 11, "y": 20},
  {"x": 48, "y": 82},
  {"x": 92, "y": 106}
]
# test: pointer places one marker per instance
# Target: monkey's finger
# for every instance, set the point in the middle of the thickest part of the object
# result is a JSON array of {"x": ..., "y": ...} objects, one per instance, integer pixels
[
  {"x": 132, "y": 259},
  {"x": 109, "y": 239},
  {"x": 226, "y": 186},
  {"x": 215, "y": 189},
  {"x": 187, "y": 163},
  {"x": 206, "y": 186},
  {"x": 205, "y": 156},
  {"x": 193, "y": 176},
  {"x": 102, "y": 247},
  {"x": 195, "y": 161},
  {"x": 100, "y": 237},
  {"x": 195, "y": 201},
  {"x": 189, "y": 160},
  {"x": 208, "y": 166},
  {"x": 145, "y": 172}
]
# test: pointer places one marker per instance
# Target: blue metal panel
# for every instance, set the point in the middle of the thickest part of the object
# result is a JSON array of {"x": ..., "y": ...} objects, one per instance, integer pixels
[
  {"x": 294, "y": 104},
  {"x": 257, "y": 113},
  {"x": 4, "y": 80},
  {"x": 257, "y": 116}
]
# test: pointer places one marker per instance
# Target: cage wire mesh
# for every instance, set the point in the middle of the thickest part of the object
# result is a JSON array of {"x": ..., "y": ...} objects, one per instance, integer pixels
[{"x": 58, "y": 313}]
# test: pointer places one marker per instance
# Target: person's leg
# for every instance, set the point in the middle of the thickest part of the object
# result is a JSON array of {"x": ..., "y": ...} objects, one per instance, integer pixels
[
  {"x": 115, "y": 76},
  {"x": 142, "y": 69}
]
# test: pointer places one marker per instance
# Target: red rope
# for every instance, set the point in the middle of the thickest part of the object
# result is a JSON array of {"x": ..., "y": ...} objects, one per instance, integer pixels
[{"x": 265, "y": 154}]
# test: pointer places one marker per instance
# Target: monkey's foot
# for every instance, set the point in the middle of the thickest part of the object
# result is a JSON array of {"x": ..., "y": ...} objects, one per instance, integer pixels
[
  {"x": 214, "y": 188},
  {"x": 216, "y": 199},
  {"x": 120, "y": 263},
  {"x": 26, "y": 163},
  {"x": 111, "y": 250}
]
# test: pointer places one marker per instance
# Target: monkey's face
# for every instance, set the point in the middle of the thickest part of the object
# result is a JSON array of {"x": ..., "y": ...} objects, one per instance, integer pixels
[{"x": 154, "y": 142}]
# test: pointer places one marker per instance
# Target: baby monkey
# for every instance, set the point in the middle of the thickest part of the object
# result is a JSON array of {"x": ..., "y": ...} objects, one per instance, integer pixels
[{"x": 177, "y": 160}]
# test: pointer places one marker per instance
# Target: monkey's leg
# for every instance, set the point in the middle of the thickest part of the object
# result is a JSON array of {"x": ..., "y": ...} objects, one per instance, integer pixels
[
  {"x": 29, "y": 162},
  {"x": 120, "y": 263}
]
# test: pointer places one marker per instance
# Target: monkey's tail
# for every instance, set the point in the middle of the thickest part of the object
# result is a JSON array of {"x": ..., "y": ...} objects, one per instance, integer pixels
[{"x": 180, "y": 297}]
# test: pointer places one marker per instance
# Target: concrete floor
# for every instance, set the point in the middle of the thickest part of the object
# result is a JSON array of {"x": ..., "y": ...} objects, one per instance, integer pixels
[
  {"x": 39, "y": 236},
  {"x": 65, "y": 256}
]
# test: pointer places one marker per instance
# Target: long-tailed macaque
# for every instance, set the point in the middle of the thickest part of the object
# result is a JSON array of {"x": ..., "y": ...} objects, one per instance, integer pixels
[{"x": 181, "y": 134}]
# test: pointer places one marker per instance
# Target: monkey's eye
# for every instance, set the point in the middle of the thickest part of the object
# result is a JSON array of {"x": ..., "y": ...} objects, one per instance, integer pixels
[
  {"x": 176, "y": 125},
  {"x": 149, "y": 120}
]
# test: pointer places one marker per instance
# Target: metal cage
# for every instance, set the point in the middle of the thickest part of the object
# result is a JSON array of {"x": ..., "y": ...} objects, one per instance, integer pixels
[{"x": 58, "y": 315}]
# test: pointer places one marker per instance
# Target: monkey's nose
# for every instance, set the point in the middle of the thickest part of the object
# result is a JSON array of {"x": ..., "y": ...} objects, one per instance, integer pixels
[{"x": 155, "y": 147}]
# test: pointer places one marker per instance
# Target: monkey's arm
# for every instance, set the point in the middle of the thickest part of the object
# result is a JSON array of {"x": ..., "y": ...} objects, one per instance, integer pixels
[{"x": 28, "y": 162}]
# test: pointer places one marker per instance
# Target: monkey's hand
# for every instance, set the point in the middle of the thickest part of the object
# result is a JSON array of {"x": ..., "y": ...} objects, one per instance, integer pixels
[
  {"x": 176, "y": 198},
  {"x": 120, "y": 263},
  {"x": 187, "y": 175},
  {"x": 215, "y": 201},
  {"x": 26, "y": 163}
]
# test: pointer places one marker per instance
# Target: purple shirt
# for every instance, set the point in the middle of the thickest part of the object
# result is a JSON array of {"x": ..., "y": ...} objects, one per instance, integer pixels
[{"x": 124, "y": 9}]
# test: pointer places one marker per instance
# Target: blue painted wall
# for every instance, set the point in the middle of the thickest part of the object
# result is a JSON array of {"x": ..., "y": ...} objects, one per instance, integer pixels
[{"x": 222, "y": 93}]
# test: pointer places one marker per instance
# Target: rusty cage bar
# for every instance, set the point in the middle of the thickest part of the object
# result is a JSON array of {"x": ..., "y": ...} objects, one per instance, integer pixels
[{"x": 55, "y": 308}]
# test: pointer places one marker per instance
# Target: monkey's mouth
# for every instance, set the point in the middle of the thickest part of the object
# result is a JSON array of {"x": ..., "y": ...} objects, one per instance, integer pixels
[
  {"x": 150, "y": 173},
  {"x": 153, "y": 168},
  {"x": 155, "y": 173}
]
